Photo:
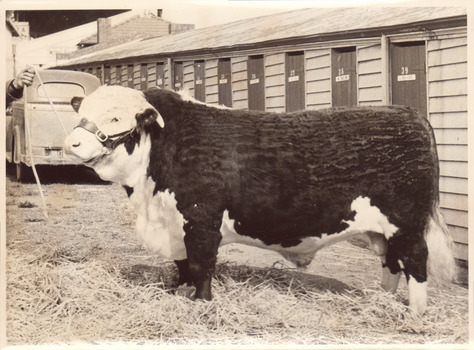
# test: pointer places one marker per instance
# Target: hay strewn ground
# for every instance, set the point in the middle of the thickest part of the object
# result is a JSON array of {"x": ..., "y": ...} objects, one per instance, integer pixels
[{"x": 80, "y": 276}]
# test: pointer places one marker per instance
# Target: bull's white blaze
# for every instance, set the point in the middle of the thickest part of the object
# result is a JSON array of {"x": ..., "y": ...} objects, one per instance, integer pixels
[
  {"x": 417, "y": 293},
  {"x": 110, "y": 118},
  {"x": 113, "y": 118}
]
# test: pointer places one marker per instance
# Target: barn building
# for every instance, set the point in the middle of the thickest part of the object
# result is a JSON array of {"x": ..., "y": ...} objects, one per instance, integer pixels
[{"x": 317, "y": 58}]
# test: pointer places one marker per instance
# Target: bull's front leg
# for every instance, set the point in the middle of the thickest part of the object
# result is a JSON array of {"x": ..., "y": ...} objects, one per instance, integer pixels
[{"x": 202, "y": 242}]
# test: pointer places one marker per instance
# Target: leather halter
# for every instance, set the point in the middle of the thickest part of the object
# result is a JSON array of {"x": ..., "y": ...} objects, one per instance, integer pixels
[{"x": 109, "y": 141}]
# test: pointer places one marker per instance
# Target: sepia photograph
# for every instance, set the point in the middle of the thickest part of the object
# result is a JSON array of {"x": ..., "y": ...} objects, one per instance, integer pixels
[{"x": 235, "y": 174}]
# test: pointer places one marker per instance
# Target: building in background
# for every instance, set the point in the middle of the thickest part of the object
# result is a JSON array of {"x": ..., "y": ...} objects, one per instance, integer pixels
[
  {"x": 51, "y": 50},
  {"x": 318, "y": 58}
]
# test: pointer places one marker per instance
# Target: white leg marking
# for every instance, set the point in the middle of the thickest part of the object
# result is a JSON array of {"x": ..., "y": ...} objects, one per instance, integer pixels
[{"x": 417, "y": 294}]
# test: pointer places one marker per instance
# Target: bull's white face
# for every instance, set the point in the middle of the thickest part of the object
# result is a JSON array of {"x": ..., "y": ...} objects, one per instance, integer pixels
[{"x": 113, "y": 109}]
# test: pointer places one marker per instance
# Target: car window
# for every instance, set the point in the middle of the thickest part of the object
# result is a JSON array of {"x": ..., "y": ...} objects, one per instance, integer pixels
[{"x": 60, "y": 90}]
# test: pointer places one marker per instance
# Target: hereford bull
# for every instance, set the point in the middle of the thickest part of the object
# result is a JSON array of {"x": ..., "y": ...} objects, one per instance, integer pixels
[{"x": 201, "y": 177}]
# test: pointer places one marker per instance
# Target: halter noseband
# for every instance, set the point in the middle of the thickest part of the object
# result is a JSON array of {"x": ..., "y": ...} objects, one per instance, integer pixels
[{"x": 106, "y": 140}]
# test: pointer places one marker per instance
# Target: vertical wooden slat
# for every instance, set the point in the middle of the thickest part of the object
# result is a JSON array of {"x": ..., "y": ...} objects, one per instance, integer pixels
[
  {"x": 160, "y": 75},
  {"x": 199, "y": 81},
  {"x": 130, "y": 82},
  {"x": 344, "y": 77},
  {"x": 256, "y": 83},
  {"x": 178, "y": 76},
  {"x": 295, "y": 81},
  {"x": 224, "y": 82},
  {"x": 409, "y": 76}
]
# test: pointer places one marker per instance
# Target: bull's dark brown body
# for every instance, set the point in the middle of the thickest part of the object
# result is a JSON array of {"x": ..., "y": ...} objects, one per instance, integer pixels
[{"x": 283, "y": 177}]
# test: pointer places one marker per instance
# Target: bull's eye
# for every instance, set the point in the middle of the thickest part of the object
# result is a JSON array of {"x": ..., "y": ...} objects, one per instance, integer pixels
[{"x": 114, "y": 120}]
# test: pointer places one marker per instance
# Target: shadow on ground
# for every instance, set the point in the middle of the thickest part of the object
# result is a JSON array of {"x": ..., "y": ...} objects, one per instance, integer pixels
[
  {"x": 282, "y": 280},
  {"x": 49, "y": 174}
]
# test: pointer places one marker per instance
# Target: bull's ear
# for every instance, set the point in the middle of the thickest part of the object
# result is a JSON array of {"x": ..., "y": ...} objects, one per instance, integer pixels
[
  {"x": 76, "y": 103},
  {"x": 148, "y": 117}
]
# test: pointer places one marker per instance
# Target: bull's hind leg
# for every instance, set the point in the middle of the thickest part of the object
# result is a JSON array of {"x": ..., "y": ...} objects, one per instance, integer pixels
[
  {"x": 390, "y": 279},
  {"x": 379, "y": 245},
  {"x": 409, "y": 253}
]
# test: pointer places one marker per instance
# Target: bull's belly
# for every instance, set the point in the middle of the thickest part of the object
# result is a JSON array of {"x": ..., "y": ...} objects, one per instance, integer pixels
[
  {"x": 160, "y": 228},
  {"x": 367, "y": 219}
]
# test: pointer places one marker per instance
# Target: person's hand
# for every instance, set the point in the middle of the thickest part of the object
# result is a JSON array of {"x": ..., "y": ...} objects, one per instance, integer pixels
[{"x": 24, "y": 78}]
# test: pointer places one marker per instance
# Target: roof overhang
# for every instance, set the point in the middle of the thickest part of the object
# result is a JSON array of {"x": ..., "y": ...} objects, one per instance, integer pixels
[{"x": 426, "y": 26}]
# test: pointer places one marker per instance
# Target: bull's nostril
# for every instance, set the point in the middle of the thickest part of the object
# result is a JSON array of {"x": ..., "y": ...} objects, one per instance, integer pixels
[{"x": 77, "y": 144}]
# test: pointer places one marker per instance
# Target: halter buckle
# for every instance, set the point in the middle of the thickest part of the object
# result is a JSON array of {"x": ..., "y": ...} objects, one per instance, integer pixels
[{"x": 100, "y": 136}]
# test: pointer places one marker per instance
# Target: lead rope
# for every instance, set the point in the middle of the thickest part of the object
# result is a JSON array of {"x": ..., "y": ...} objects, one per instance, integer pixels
[
  {"x": 30, "y": 151},
  {"x": 28, "y": 136},
  {"x": 50, "y": 101}
]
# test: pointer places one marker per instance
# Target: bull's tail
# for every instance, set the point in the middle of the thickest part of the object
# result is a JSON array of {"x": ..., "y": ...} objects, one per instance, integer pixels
[{"x": 441, "y": 263}]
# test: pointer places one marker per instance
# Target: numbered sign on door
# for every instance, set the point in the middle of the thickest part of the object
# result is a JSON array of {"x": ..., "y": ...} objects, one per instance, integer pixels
[{"x": 405, "y": 75}]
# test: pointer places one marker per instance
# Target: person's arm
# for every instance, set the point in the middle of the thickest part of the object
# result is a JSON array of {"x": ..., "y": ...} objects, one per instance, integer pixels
[
  {"x": 15, "y": 86},
  {"x": 12, "y": 92}
]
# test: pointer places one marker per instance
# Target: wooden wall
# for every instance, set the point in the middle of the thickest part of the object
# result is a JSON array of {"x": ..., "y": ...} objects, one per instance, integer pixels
[
  {"x": 369, "y": 71},
  {"x": 275, "y": 82},
  {"x": 447, "y": 107},
  {"x": 318, "y": 78},
  {"x": 239, "y": 82}
]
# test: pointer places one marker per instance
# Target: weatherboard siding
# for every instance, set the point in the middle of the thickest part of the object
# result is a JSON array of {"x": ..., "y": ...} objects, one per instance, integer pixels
[
  {"x": 239, "y": 82},
  {"x": 212, "y": 89},
  {"x": 447, "y": 106},
  {"x": 188, "y": 77},
  {"x": 369, "y": 73},
  {"x": 275, "y": 82},
  {"x": 318, "y": 78}
]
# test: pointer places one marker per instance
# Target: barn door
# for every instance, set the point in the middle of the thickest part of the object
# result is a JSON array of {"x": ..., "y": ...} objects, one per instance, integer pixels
[
  {"x": 344, "y": 78},
  {"x": 256, "y": 83},
  {"x": 107, "y": 74},
  {"x": 409, "y": 75},
  {"x": 98, "y": 74},
  {"x": 178, "y": 76},
  {"x": 130, "y": 76},
  {"x": 199, "y": 81},
  {"x": 295, "y": 100},
  {"x": 225, "y": 82},
  {"x": 160, "y": 75},
  {"x": 143, "y": 76},
  {"x": 118, "y": 75}
]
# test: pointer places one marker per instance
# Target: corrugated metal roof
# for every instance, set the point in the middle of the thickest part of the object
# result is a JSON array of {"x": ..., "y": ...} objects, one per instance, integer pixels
[{"x": 287, "y": 25}]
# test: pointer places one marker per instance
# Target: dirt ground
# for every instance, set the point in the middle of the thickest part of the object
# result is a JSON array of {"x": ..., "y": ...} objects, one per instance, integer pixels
[{"x": 89, "y": 219}]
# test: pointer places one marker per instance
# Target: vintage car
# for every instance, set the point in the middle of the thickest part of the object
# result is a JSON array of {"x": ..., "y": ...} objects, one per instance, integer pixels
[{"x": 45, "y": 109}]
